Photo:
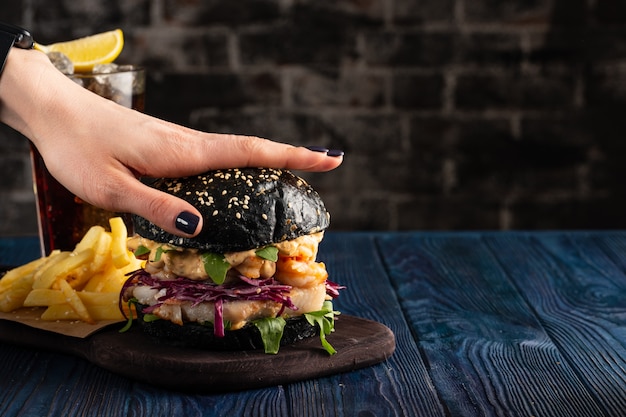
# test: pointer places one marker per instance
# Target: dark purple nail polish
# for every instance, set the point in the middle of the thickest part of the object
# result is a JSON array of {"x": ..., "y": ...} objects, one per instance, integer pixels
[
  {"x": 335, "y": 152},
  {"x": 187, "y": 222},
  {"x": 317, "y": 148}
]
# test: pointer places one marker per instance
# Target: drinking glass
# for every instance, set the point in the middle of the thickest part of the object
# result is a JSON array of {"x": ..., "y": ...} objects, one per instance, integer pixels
[{"x": 63, "y": 218}]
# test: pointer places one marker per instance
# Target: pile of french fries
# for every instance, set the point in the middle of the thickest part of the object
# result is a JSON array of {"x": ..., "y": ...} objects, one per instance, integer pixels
[{"x": 83, "y": 284}]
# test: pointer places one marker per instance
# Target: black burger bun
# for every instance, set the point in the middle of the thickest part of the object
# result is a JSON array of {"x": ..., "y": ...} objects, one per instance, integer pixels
[
  {"x": 198, "y": 336},
  {"x": 243, "y": 209}
]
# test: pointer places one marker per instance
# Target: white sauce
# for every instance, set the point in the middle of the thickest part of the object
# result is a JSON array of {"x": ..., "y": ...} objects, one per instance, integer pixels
[
  {"x": 238, "y": 313},
  {"x": 177, "y": 261},
  {"x": 183, "y": 262}
]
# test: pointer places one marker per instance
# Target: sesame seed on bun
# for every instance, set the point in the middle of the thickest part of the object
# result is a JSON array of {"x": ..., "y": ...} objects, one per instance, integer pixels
[{"x": 242, "y": 209}]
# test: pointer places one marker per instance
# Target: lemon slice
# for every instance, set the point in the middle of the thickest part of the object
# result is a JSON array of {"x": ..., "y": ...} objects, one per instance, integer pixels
[{"x": 101, "y": 48}]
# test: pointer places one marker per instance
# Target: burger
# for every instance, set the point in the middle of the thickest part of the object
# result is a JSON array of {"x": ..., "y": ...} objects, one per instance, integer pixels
[{"x": 250, "y": 279}]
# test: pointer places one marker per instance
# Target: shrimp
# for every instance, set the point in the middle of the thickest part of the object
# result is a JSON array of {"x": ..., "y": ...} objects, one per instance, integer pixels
[
  {"x": 255, "y": 267},
  {"x": 300, "y": 273}
]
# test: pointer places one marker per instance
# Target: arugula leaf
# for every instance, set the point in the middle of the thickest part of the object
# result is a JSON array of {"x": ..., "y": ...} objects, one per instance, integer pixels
[
  {"x": 325, "y": 320},
  {"x": 215, "y": 266},
  {"x": 271, "y": 329},
  {"x": 141, "y": 250},
  {"x": 269, "y": 252},
  {"x": 148, "y": 318},
  {"x": 129, "y": 323},
  {"x": 157, "y": 255}
]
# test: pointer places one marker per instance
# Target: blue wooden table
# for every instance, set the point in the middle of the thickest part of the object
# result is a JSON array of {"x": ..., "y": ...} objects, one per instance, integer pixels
[{"x": 486, "y": 324}]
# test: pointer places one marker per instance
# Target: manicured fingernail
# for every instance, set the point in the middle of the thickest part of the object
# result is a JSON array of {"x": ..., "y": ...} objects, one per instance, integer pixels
[
  {"x": 335, "y": 152},
  {"x": 317, "y": 149},
  {"x": 187, "y": 222}
]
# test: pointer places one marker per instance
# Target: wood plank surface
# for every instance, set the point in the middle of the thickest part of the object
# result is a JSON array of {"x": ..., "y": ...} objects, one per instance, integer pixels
[
  {"x": 18, "y": 250},
  {"x": 488, "y": 351},
  {"x": 487, "y": 324},
  {"x": 359, "y": 343},
  {"x": 399, "y": 387},
  {"x": 141, "y": 399},
  {"x": 579, "y": 293}
]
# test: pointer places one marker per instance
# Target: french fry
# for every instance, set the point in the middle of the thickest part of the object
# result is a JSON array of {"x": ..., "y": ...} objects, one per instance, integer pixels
[
  {"x": 66, "y": 312},
  {"x": 42, "y": 297},
  {"x": 66, "y": 265},
  {"x": 52, "y": 259},
  {"x": 92, "y": 299},
  {"x": 14, "y": 296},
  {"x": 59, "y": 312},
  {"x": 74, "y": 300},
  {"x": 117, "y": 278},
  {"x": 99, "y": 240},
  {"x": 83, "y": 284},
  {"x": 102, "y": 254},
  {"x": 111, "y": 279},
  {"x": 106, "y": 312},
  {"x": 16, "y": 273},
  {"x": 41, "y": 279},
  {"x": 97, "y": 282},
  {"x": 46, "y": 297},
  {"x": 90, "y": 239},
  {"x": 119, "y": 251},
  {"x": 17, "y": 283}
]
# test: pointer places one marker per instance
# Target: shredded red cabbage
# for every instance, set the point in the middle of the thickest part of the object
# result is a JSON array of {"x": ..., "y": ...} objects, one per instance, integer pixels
[
  {"x": 332, "y": 289},
  {"x": 218, "y": 326},
  {"x": 184, "y": 289}
]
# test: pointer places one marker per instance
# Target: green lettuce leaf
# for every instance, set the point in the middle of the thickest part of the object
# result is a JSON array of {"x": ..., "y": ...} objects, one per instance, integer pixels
[
  {"x": 325, "y": 320},
  {"x": 215, "y": 266},
  {"x": 142, "y": 250},
  {"x": 129, "y": 322},
  {"x": 269, "y": 252},
  {"x": 148, "y": 318},
  {"x": 157, "y": 255},
  {"x": 271, "y": 329}
]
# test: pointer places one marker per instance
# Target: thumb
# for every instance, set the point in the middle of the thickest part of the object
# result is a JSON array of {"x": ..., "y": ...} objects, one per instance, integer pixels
[{"x": 170, "y": 213}]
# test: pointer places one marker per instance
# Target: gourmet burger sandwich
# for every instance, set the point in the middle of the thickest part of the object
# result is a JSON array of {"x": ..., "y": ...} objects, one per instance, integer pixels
[{"x": 250, "y": 278}]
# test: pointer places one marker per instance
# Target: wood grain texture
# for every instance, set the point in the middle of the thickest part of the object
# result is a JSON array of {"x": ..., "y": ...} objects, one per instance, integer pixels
[
  {"x": 488, "y": 324},
  {"x": 141, "y": 399},
  {"x": 399, "y": 387},
  {"x": 578, "y": 290},
  {"x": 359, "y": 343},
  {"x": 18, "y": 250},
  {"x": 488, "y": 351}
]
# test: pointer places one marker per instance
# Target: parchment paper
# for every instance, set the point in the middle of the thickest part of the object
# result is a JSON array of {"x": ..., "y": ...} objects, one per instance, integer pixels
[{"x": 31, "y": 316}]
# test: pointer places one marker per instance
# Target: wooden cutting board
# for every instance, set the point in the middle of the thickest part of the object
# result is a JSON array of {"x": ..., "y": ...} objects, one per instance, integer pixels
[{"x": 359, "y": 343}]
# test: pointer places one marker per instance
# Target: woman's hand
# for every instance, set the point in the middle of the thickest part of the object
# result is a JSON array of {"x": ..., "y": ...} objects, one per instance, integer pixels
[{"x": 98, "y": 149}]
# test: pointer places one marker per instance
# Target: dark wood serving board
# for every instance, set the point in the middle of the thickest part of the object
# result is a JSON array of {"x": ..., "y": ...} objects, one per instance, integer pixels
[{"x": 359, "y": 343}]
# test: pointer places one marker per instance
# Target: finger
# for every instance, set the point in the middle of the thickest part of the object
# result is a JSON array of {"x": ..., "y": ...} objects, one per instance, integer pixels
[
  {"x": 250, "y": 151},
  {"x": 122, "y": 192},
  {"x": 185, "y": 152},
  {"x": 319, "y": 159},
  {"x": 170, "y": 213},
  {"x": 256, "y": 152},
  {"x": 180, "y": 218}
]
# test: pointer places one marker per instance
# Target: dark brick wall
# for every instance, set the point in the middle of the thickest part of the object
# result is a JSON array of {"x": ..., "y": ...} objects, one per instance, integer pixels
[{"x": 454, "y": 114}]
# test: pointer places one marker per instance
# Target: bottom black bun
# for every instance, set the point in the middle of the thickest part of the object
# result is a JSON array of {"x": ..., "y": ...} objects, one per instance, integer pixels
[{"x": 194, "y": 335}]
